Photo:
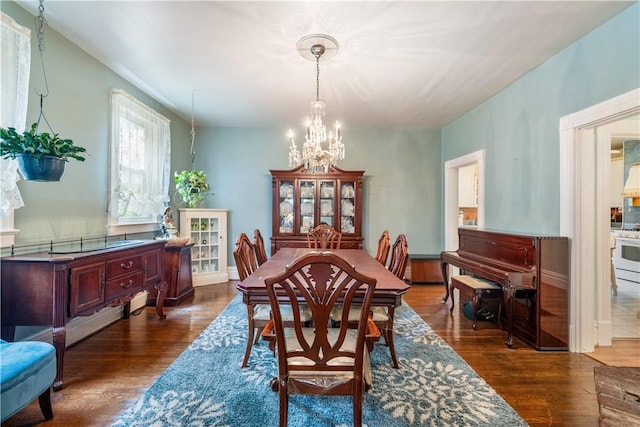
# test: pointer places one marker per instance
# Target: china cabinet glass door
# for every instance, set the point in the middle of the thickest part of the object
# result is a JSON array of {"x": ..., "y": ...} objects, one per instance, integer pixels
[
  {"x": 307, "y": 205},
  {"x": 205, "y": 234},
  {"x": 347, "y": 207},
  {"x": 327, "y": 198},
  {"x": 286, "y": 207}
]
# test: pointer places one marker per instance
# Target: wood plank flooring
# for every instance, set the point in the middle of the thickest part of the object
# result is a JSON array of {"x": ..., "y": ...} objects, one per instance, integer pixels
[{"x": 107, "y": 372}]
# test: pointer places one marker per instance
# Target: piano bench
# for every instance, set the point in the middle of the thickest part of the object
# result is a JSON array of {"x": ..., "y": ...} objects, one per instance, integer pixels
[{"x": 475, "y": 288}]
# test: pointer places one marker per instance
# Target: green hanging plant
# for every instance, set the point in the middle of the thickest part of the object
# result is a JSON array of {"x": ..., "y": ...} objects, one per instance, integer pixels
[
  {"x": 192, "y": 185},
  {"x": 41, "y": 156},
  {"x": 30, "y": 142}
]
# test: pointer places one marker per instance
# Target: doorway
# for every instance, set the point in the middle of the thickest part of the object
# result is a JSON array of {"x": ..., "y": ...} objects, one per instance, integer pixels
[
  {"x": 452, "y": 174},
  {"x": 622, "y": 136},
  {"x": 585, "y": 217}
]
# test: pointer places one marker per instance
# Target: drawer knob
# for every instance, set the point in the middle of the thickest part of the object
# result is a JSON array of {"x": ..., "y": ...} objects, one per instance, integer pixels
[
  {"x": 126, "y": 266},
  {"x": 126, "y": 285}
]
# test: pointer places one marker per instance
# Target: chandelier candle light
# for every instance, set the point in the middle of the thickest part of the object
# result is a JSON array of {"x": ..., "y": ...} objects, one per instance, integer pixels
[{"x": 314, "y": 156}]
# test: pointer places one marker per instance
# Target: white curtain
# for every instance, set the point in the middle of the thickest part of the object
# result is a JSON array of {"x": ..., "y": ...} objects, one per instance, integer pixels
[
  {"x": 14, "y": 91},
  {"x": 140, "y": 161}
]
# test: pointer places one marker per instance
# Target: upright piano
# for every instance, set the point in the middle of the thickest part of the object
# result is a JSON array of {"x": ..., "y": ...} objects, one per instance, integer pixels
[{"x": 533, "y": 271}]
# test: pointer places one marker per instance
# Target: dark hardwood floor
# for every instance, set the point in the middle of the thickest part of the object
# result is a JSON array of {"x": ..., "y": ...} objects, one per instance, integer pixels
[{"x": 107, "y": 372}]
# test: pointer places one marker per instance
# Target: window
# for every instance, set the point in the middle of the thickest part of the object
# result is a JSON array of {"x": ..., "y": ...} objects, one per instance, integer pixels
[
  {"x": 140, "y": 163},
  {"x": 14, "y": 75}
]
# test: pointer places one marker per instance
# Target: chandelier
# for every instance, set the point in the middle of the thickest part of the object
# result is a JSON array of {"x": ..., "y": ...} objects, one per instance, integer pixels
[{"x": 319, "y": 150}]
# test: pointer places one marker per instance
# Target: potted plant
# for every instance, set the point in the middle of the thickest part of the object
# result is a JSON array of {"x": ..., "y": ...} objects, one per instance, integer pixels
[
  {"x": 41, "y": 156},
  {"x": 192, "y": 185}
]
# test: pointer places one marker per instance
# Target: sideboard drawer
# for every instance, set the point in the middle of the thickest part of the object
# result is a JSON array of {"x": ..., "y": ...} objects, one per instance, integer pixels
[
  {"x": 124, "y": 265},
  {"x": 123, "y": 285}
]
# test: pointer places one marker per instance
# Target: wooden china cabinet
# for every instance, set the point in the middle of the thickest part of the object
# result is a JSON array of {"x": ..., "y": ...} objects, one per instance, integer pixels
[{"x": 302, "y": 200}]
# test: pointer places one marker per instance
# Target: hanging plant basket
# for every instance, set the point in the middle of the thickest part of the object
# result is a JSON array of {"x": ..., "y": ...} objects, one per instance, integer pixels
[
  {"x": 41, "y": 168},
  {"x": 192, "y": 185},
  {"x": 41, "y": 156}
]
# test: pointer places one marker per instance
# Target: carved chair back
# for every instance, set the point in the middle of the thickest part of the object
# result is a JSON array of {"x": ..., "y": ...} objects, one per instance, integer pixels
[
  {"x": 245, "y": 256},
  {"x": 321, "y": 359},
  {"x": 399, "y": 256},
  {"x": 258, "y": 244},
  {"x": 384, "y": 244},
  {"x": 324, "y": 237}
]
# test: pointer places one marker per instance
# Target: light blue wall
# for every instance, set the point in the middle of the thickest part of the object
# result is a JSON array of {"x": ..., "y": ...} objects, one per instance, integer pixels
[
  {"x": 403, "y": 167},
  {"x": 77, "y": 108},
  {"x": 402, "y": 184},
  {"x": 519, "y": 127}
]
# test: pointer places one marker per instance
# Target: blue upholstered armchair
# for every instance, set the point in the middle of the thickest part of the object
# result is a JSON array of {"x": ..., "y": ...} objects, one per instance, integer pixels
[{"x": 27, "y": 370}]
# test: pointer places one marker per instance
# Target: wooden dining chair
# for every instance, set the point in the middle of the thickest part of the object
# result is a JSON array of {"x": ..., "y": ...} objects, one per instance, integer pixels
[
  {"x": 324, "y": 237},
  {"x": 258, "y": 245},
  {"x": 257, "y": 314},
  {"x": 399, "y": 256},
  {"x": 321, "y": 359},
  {"x": 384, "y": 244},
  {"x": 245, "y": 256},
  {"x": 383, "y": 316}
]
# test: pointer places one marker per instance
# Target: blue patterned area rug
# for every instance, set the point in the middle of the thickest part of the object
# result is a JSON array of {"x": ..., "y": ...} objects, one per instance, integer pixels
[{"x": 206, "y": 387}]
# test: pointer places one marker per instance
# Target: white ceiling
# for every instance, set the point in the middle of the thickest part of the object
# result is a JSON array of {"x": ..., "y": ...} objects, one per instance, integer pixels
[{"x": 399, "y": 63}]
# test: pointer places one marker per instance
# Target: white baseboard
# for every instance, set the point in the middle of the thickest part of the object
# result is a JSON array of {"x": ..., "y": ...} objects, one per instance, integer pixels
[{"x": 81, "y": 327}]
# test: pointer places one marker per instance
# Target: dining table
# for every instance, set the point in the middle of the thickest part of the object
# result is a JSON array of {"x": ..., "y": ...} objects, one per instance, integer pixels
[{"x": 388, "y": 292}]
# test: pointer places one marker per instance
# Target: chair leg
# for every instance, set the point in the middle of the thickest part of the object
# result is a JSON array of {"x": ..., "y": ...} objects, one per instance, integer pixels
[
  {"x": 45, "y": 404},
  {"x": 247, "y": 351},
  {"x": 284, "y": 405},
  {"x": 255, "y": 341},
  {"x": 357, "y": 404},
  {"x": 475, "y": 303},
  {"x": 388, "y": 337}
]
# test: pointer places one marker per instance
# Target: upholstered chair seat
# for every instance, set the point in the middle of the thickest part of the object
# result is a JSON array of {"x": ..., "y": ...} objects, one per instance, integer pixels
[{"x": 27, "y": 370}]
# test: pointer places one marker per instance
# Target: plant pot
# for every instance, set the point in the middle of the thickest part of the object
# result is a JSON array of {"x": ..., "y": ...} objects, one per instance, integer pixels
[{"x": 43, "y": 168}]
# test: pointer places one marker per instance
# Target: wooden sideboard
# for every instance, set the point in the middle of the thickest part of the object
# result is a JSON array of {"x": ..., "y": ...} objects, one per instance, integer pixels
[
  {"x": 49, "y": 288},
  {"x": 177, "y": 274}
]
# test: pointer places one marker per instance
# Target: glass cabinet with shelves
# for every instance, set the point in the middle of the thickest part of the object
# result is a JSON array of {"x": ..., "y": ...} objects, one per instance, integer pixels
[
  {"x": 207, "y": 229},
  {"x": 303, "y": 200}
]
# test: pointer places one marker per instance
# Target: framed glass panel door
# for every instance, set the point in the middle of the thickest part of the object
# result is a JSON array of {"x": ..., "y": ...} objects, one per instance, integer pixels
[
  {"x": 307, "y": 206},
  {"x": 327, "y": 199},
  {"x": 286, "y": 207},
  {"x": 347, "y": 207}
]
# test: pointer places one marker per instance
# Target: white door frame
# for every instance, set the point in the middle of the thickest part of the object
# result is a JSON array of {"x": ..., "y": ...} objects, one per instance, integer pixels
[
  {"x": 581, "y": 192},
  {"x": 451, "y": 195}
]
